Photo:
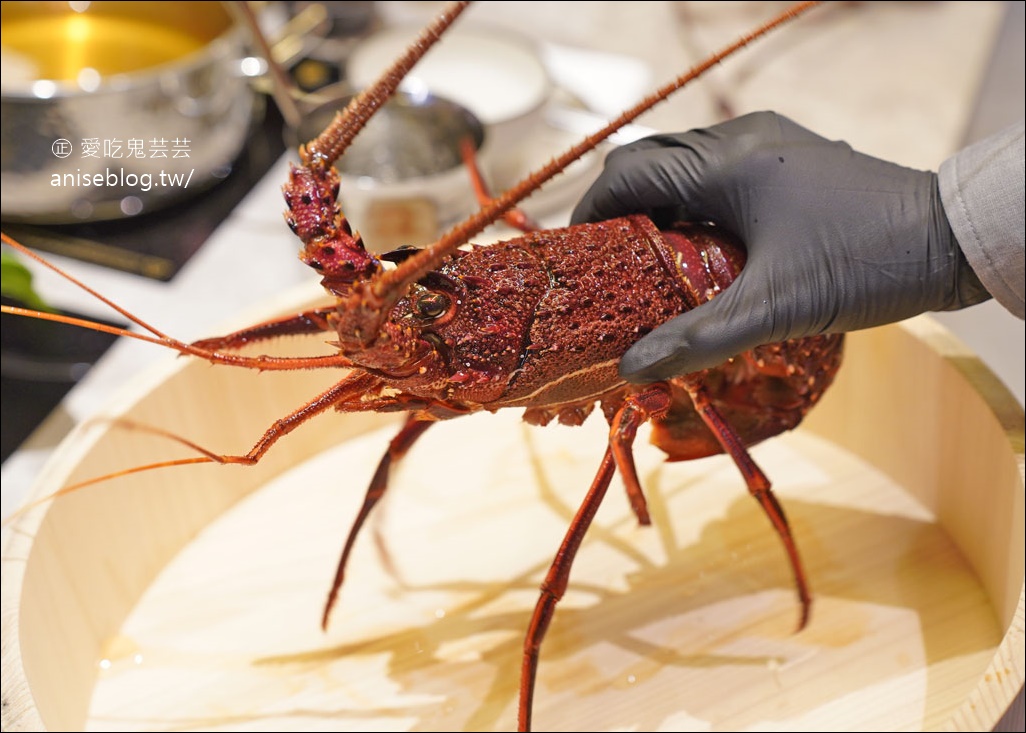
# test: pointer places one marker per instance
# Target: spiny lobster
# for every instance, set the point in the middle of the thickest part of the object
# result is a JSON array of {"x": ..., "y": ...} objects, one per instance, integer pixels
[{"x": 537, "y": 322}]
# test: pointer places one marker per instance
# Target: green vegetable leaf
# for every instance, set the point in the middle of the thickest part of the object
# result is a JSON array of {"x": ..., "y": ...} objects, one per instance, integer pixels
[{"x": 16, "y": 283}]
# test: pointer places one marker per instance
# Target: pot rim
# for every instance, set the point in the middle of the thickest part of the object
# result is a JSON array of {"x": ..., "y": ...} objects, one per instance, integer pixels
[{"x": 229, "y": 42}]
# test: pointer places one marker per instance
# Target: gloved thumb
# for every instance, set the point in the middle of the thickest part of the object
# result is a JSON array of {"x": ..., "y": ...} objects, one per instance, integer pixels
[{"x": 732, "y": 322}]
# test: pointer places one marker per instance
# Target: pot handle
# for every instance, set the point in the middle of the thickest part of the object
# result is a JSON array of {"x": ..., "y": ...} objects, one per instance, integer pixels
[
  {"x": 290, "y": 41},
  {"x": 281, "y": 88}
]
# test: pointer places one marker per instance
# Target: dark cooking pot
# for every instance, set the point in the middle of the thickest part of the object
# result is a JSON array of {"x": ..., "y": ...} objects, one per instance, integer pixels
[{"x": 120, "y": 108}]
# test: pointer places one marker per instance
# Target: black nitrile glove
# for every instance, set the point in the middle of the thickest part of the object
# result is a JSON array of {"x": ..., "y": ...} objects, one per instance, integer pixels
[{"x": 837, "y": 240}]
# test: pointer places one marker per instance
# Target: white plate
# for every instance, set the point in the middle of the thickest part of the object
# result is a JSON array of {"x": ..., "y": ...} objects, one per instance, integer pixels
[{"x": 498, "y": 78}]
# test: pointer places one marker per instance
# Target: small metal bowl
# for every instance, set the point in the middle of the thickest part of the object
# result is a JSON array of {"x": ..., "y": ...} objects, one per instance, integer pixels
[{"x": 403, "y": 180}]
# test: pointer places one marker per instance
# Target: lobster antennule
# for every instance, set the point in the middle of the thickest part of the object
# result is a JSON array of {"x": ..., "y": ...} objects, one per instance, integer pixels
[{"x": 386, "y": 286}]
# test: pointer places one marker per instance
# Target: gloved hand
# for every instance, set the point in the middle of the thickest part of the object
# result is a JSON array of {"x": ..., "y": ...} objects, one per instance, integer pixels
[{"x": 836, "y": 240}]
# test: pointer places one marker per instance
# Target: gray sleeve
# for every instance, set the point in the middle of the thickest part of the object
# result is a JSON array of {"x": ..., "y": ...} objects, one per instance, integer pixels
[{"x": 982, "y": 190}]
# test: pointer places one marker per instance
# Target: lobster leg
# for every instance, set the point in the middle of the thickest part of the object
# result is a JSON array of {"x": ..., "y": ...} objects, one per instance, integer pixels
[
  {"x": 555, "y": 584},
  {"x": 636, "y": 410},
  {"x": 514, "y": 217},
  {"x": 757, "y": 482},
  {"x": 401, "y": 443},
  {"x": 312, "y": 321},
  {"x": 353, "y": 385}
]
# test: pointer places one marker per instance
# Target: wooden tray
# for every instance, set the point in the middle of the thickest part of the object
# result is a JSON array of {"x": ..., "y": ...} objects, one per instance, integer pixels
[{"x": 190, "y": 598}]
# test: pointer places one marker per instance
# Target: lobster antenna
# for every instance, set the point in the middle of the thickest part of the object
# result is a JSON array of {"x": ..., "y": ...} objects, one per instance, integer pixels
[
  {"x": 386, "y": 287},
  {"x": 327, "y": 147}
]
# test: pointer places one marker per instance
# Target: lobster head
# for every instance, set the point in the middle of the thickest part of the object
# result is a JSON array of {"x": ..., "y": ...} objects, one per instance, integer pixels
[
  {"x": 411, "y": 319},
  {"x": 452, "y": 332}
]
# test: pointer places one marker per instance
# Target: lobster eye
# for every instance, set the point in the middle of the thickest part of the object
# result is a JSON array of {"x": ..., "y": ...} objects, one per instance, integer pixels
[{"x": 431, "y": 305}]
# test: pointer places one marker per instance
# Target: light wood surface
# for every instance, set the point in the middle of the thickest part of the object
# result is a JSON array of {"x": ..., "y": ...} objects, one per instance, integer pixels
[{"x": 189, "y": 598}]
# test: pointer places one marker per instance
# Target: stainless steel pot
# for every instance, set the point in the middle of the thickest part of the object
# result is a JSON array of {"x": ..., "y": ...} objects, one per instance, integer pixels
[{"x": 110, "y": 109}]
